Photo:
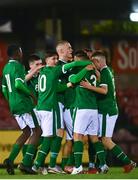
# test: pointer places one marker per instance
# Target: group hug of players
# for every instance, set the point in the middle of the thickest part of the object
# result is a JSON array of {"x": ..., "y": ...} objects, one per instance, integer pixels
[{"x": 70, "y": 92}]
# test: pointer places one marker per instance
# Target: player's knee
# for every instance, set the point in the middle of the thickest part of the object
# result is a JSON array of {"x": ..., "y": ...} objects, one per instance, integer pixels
[
  {"x": 60, "y": 132},
  {"x": 69, "y": 144},
  {"x": 37, "y": 131},
  {"x": 78, "y": 137},
  {"x": 27, "y": 132},
  {"x": 94, "y": 138},
  {"x": 107, "y": 142}
]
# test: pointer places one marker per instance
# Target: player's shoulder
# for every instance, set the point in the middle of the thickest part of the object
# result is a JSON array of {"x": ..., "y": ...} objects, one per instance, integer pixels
[
  {"x": 106, "y": 70},
  {"x": 16, "y": 64},
  {"x": 60, "y": 63}
]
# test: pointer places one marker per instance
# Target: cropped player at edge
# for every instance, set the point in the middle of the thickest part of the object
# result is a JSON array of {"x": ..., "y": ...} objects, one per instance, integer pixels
[
  {"x": 21, "y": 105},
  {"x": 107, "y": 109}
]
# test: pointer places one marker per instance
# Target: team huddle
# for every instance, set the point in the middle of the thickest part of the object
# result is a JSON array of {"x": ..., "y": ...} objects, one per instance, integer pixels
[{"x": 70, "y": 92}]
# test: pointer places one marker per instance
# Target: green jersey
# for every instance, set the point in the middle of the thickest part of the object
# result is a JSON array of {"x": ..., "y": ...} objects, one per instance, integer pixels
[
  {"x": 86, "y": 99},
  {"x": 33, "y": 85},
  {"x": 67, "y": 97},
  {"x": 47, "y": 88},
  {"x": 63, "y": 79},
  {"x": 19, "y": 102},
  {"x": 107, "y": 103}
]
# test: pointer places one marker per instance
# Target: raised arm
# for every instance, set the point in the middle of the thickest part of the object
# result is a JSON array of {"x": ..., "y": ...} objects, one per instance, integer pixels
[
  {"x": 62, "y": 87},
  {"x": 75, "y": 78},
  {"x": 82, "y": 63}
]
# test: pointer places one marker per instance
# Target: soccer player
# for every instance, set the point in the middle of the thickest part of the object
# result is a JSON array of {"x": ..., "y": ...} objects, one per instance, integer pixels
[
  {"x": 78, "y": 55},
  {"x": 86, "y": 120},
  {"x": 64, "y": 51},
  {"x": 47, "y": 109},
  {"x": 21, "y": 105},
  {"x": 35, "y": 64},
  {"x": 107, "y": 109}
]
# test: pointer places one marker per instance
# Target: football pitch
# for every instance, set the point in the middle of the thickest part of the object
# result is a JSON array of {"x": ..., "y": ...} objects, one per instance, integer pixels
[{"x": 114, "y": 173}]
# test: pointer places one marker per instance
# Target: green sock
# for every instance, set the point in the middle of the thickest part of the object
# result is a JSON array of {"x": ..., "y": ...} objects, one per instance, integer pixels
[
  {"x": 117, "y": 152},
  {"x": 42, "y": 152},
  {"x": 71, "y": 161},
  {"x": 78, "y": 151},
  {"x": 92, "y": 153},
  {"x": 40, "y": 141},
  {"x": 54, "y": 150},
  {"x": 28, "y": 158},
  {"x": 100, "y": 152},
  {"x": 24, "y": 148},
  {"x": 64, "y": 162},
  {"x": 15, "y": 151}
]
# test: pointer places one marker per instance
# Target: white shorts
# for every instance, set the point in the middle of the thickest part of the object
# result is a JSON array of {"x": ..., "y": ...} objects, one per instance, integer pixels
[
  {"x": 48, "y": 123},
  {"x": 61, "y": 109},
  {"x": 106, "y": 125},
  {"x": 86, "y": 120},
  {"x": 27, "y": 119},
  {"x": 68, "y": 124}
]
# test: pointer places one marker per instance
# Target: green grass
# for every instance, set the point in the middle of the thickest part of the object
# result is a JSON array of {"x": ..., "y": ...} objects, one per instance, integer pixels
[{"x": 114, "y": 173}]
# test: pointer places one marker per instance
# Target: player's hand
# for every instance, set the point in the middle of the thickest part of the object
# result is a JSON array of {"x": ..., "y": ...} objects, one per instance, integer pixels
[
  {"x": 38, "y": 67},
  {"x": 69, "y": 84},
  {"x": 90, "y": 67},
  {"x": 85, "y": 84}
]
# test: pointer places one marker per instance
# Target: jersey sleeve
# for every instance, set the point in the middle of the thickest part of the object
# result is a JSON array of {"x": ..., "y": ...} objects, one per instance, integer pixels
[
  {"x": 103, "y": 80},
  {"x": 20, "y": 82},
  {"x": 75, "y": 78},
  {"x": 68, "y": 66},
  {"x": 20, "y": 73}
]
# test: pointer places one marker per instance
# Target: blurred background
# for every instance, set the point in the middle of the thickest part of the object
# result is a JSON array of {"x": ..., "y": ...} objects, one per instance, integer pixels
[{"x": 111, "y": 25}]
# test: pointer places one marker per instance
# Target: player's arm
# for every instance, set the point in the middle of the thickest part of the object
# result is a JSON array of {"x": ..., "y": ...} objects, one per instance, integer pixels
[
  {"x": 82, "y": 63},
  {"x": 5, "y": 92},
  {"x": 62, "y": 87},
  {"x": 20, "y": 85},
  {"x": 33, "y": 72},
  {"x": 75, "y": 78},
  {"x": 102, "y": 89}
]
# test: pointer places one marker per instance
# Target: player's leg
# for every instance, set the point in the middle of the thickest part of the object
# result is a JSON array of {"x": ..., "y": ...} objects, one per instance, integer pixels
[
  {"x": 56, "y": 143},
  {"x": 8, "y": 163},
  {"x": 79, "y": 130},
  {"x": 93, "y": 135},
  {"x": 67, "y": 149},
  {"x": 46, "y": 118},
  {"x": 32, "y": 120},
  {"x": 93, "y": 160},
  {"x": 114, "y": 148},
  {"x": 100, "y": 152},
  {"x": 24, "y": 148}
]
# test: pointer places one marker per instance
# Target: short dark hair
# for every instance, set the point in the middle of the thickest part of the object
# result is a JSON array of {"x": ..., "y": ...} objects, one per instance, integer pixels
[
  {"x": 33, "y": 57},
  {"x": 12, "y": 49},
  {"x": 81, "y": 54},
  {"x": 50, "y": 53}
]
